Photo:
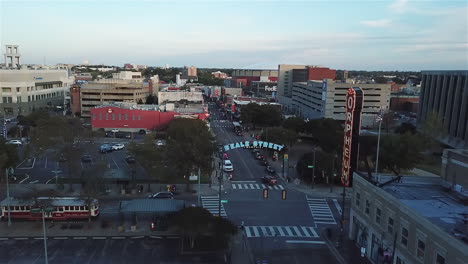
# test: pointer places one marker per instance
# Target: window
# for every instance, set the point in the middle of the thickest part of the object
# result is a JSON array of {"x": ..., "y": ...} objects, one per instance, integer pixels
[
  {"x": 120, "y": 116},
  {"x": 18, "y": 99},
  {"x": 420, "y": 249},
  {"x": 29, "y": 98},
  {"x": 390, "y": 225},
  {"x": 378, "y": 214},
  {"x": 133, "y": 117},
  {"x": 94, "y": 116},
  {"x": 6, "y": 89},
  {"x": 17, "y": 89},
  {"x": 358, "y": 199},
  {"x": 67, "y": 208},
  {"x": 440, "y": 259},
  {"x": 126, "y": 116},
  {"x": 60, "y": 209},
  {"x": 7, "y": 99},
  {"x": 404, "y": 236},
  {"x": 107, "y": 116},
  {"x": 139, "y": 117},
  {"x": 100, "y": 116},
  {"x": 113, "y": 116},
  {"x": 367, "y": 207}
]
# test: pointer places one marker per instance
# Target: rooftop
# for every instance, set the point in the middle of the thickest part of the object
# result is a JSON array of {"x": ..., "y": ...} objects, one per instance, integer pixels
[{"x": 427, "y": 197}]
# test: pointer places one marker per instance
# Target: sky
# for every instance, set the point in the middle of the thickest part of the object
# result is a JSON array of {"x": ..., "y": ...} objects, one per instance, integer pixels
[{"x": 402, "y": 35}]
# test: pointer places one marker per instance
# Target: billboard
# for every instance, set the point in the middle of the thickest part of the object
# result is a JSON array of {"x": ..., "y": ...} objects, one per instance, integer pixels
[{"x": 354, "y": 101}]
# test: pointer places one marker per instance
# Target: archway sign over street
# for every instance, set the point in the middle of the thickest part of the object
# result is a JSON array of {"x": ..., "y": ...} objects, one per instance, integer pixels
[{"x": 253, "y": 144}]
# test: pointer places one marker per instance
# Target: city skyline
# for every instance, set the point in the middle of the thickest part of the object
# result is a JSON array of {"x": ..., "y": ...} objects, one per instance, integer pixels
[{"x": 383, "y": 35}]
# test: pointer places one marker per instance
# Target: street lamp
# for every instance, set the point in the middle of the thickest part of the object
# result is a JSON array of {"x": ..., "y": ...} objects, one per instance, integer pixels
[
  {"x": 43, "y": 210},
  {"x": 8, "y": 193}
]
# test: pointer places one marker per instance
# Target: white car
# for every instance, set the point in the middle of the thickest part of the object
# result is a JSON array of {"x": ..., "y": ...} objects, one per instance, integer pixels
[
  {"x": 15, "y": 142},
  {"x": 118, "y": 146},
  {"x": 114, "y": 130},
  {"x": 228, "y": 166}
]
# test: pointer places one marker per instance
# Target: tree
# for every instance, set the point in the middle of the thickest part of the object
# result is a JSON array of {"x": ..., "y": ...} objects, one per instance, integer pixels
[
  {"x": 327, "y": 133},
  {"x": 296, "y": 124},
  {"x": 325, "y": 163},
  {"x": 92, "y": 184},
  {"x": 400, "y": 152},
  {"x": 190, "y": 146},
  {"x": 151, "y": 99},
  {"x": 8, "y": 156},
  {"x": 388, "y": 120},
  {"x": 367, "y": 152},
  {"x": 397, "y": 80},
  {"x": 432, "y": 129},
  {"x": 404, "y": 128},
  {"x": 381, "y": 80},
  {"x": 280, "y": 136},
  {"x": 261, "y": 115},
  {"x": 140, "y": 101}
]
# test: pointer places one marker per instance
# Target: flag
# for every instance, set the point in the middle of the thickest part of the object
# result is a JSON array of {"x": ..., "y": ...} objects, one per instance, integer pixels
[{"x": 379, "y": 117}]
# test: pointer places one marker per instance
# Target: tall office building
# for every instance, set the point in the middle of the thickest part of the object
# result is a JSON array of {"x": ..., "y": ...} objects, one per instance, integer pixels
[
  {"x": 446, "y": 93},
  {"x": 12, "y": 57}
]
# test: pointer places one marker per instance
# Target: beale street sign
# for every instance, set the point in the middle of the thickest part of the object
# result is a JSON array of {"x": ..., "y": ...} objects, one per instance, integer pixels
[
  {"x": 352, "y": 127},
  {"x": 253, "y": 144}
]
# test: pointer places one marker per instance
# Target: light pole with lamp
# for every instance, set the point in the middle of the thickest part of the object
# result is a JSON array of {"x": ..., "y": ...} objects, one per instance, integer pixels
[
  {"x": 44, "y": 210},
  {"x": 8, "y": 194},
  {"x": 379, "y": 119}
]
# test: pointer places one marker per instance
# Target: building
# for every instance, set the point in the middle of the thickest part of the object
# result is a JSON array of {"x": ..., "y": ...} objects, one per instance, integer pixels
[
  {"x": 455, "y": 168},
  {"x": 244, "y": 78},
  {"x": 128, "y": 75},
  {"x": 177, "y": 96},
  {"x": 190, "y": 71},
  {"x": 264, "y": 88},
  {"x": 446, "y": 93},
  {"x": 12, "y": 57},
  {"x": 232, "y": 91},
  {"x": 288, "y": 74},
  {"x": 133, "y": 118},
  {"x": 94, "y": 94},
  {"x": 220, "y": 75},
  {"x": 75, "y": 104},
  {"x": 414, "y": 219},
  {"x": 404, "y": 102},
  {"x": 24, "y": 90},
  {"x": 326, "y": 99}
]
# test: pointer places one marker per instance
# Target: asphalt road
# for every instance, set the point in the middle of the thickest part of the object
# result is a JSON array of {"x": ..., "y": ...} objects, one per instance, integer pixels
[{"x": 276, "y": 230}]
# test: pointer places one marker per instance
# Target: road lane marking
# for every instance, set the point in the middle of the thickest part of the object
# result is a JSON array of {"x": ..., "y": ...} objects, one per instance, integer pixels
[
  {"x": 263, "y": 186},
  {"x": 297, "y": 231},
  {"x": 251, "y": 186},
  {"x": 304, "y": 230},
  {"x": 281, "y": 187},
  {"x": 20, "y": 238},
  {"x": 257, "y": 186},
  {"x": 60, "y": 238},
  {"x": 305, "y": 242},
  {"x": 240, "y": 186},
  {"x": 36, "y": 181},
  {"x": 137, "y": 237},
  {"x": 80, "y": 238},
  {"x": 3, "y": 238},
  {"x": 337, "y": 205},
  {"x": 243, "y": 181},
  {"x": 247, "y": 231},
  {"x": 272, "y": 230},
  {"x": 312, "y": 230},
  {"x": 116, "y": 164},
  {"x": 45, "y": 164},
  {"x": 255, "y": 231},
  {"x": 118, "y": 237},
  {"x": 288, "y": 230},
  {"x": 234, "y": 186},
  {"x": 99, "y": 237},
  {"x": 280, "y": 230},
  {"x": 27, "y": 177}
]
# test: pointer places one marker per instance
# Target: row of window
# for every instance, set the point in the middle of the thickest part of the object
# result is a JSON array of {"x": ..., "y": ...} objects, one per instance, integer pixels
[
  {"x": 56, "y": 208},
  {"x": 390, "y": 228},
  {"x": 120, "y": 116}
]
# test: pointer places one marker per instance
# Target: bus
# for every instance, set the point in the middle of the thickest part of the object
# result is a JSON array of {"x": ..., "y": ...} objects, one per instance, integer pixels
[
  {"x": 237, "y": 127},
  {"x": 59, "y": 208}
]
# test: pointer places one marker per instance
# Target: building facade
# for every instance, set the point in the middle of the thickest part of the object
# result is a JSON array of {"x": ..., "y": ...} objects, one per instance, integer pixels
[
  {"x": 94, "y": 94},
  {"x": 176, "y": 96},
  {"x": 128, "y": 75},
  {"x": 455, "y": 168},
  {"x": 415, "y": 220},
  {"x": 12, "y": 56},
  {"x": 24, "y": 90},
  {"x": 326, "y": 99},
  {"x": 446, "y": 93}
]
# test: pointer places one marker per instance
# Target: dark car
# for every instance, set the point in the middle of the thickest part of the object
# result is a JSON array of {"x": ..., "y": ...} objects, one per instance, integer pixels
[
  {"x": 270, "y": 180},
  {"x": 239, "y": 133},
  {"x": 263, "y": 162},
  {"x": 86, "y": 158},
  {"x": 259, "y": 156},
  {"x": 270, "y": 170},
  {"x": 105, "y": 148},
  {"x": 162, "y": 195},
  {"x": 130, "y": 159}
]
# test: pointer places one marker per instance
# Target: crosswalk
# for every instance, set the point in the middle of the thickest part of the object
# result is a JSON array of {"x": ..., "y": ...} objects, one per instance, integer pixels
[
  {"x": 211, "y": 203},
  {"x": 320, "y": 211},
  {"x": 281, "y": 231},
  {"x": 255, "y": 186}
]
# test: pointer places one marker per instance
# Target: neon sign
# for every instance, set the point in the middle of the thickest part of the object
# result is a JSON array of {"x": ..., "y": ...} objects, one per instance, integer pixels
[
  {"x": 253, "y": 144},
  {"x": 352, "y": 127}
]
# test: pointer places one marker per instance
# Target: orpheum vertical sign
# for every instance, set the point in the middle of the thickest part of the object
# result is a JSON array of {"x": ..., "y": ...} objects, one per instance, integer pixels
[{"x": 354, "y": 100}]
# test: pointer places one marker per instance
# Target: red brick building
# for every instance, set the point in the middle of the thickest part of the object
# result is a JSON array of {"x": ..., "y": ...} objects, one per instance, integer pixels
[
  {"x": 404, "y": 102},
  {"x": 75, "y": 103},
  {"x": 134, "y": 120}
]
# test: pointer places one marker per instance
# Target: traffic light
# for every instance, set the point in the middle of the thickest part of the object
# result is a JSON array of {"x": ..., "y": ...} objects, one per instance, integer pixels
[
  {"x": 283, "y": 194},
  {"x": 265, "y": 193}
]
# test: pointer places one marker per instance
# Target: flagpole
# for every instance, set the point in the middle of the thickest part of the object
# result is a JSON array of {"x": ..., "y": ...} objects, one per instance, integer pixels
[{"x": 378, "y": 146}]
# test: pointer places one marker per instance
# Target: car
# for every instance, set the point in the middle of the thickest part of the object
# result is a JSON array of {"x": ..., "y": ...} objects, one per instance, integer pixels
[
  {"x": 227, "y": 165},
  {"x": 239, "y": 133},
  {"x": 225, "y": 156},
  {"x": 263, "y": 162},
  {"x": 105, "y": 148},
  {"x": 114, "y": 130},
  {"x": 162, "y": 195},
  {"x": 255, "y": 151},
  {"x": 15, "y": 142},
  {"x": 86, "y": 158},
  {"x": 270, "y": 170},
  {"x": 62, "y": 158},
  {"x": 130, "y": 159},
  {"x": 160, "y": 142},
  {"x": 270, "y": 180},
  {"x": 118, "y": 146},
  {"x": 259, "y": 156},
  {"x": 142, "y": 132}
]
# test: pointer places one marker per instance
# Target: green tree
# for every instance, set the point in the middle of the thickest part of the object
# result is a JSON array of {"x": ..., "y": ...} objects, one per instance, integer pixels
[
  {"x": 400, "y": 152},
  {"x": 327, "y": 133},
  {"x": 280, "y": 136},
  {"x": 151, "y": 99},
  {"x": 432, "y": 129},
  {"x": 8, "y": 156},
  {"x": 296, "y": 124},
  {"x": 261, "y": 115},
  {"x": 381, "y": 80},
  {"x": 326, "y": 164}
]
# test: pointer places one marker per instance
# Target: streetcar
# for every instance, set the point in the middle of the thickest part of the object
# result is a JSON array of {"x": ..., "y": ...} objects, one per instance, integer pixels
[{"x": 55, "y": 208}]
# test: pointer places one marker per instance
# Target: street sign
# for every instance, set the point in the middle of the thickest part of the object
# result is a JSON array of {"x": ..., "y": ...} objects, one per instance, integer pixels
[
  {"x": 224, "y": 201},
  {"x": 310, "y": 166},
  {"x": 193, "y": 177}
]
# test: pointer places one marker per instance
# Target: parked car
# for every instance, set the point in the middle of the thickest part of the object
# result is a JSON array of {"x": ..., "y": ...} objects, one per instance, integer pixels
[
  {"x": 270, "y": 180},
  {"x": 105, "y": 148},
  {"x": 270, "y": 170},
  {"x": 162, "y": 195},
  {"x": 227, "y": 165},
  {"x": 115, "y": 130},
  {"x": 118, "y": 146},
  {"x": 15, "y": 142},
  {"x": 130, "y": 159},
  {"x": 86, "y": 158},
  {"x": 259, "y": 156},
  {"x": 160, "y": 142},
  {"x": 123, "y": 135}
]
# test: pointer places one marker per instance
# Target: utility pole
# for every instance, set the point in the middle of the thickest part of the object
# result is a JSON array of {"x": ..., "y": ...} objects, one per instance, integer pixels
[
  {"x": 220, "y": 178},
  {"x": 45, "y": 237},
  {"x": 199, "y": 197},
  {"x": 379, "y": 119},
  {"x": 342, "y": 215},
  {"x": 313, "y": 171},
  {"x": 8, "y": 197}
]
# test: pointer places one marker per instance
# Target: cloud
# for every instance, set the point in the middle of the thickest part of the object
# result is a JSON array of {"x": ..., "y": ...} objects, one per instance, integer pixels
[
  {"x": 399, "y": 6},
  {"x": 376, "y": 23}
]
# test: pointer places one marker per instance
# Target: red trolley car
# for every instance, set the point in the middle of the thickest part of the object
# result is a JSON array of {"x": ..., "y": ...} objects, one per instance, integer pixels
[{"x": 57, "y": 208}]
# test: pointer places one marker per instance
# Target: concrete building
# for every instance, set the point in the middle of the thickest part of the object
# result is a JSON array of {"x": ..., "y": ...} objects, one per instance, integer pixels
[
  {"x": 94, "y": 94},
  {"x": 177, "y": 96},
  {"x": 455, "y": 169},
  {"x": 404, "y": 102},
  {"x": 244, "y": 78},
  {"x": 24, "y": 90},
  {"x": 190, "y": 71},
  {"x": 415, "y": 219},
  {"x": 220, "y": 75},
  {"x": 12, "y": 56},
  {"x": 128, "y": 75},
  {"x": 288, "y": 74},
  {"x": 446, "y": 93},
  {"x": 75, "y": 104},
  {"x": 317, "y": 99}
]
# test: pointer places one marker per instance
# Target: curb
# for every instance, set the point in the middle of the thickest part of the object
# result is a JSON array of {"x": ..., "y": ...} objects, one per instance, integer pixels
[
  {"x": 88, "y": 237},
  {"x": 332, "y": 248}
]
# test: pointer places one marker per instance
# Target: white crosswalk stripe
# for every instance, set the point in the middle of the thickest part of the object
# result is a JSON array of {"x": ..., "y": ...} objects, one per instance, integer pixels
[
  {"x": 320, "y": 211},
  {"x": 252, "y": 186},
  {"x": 211, "y": 203},
  {"x": 281, "y": 231}
]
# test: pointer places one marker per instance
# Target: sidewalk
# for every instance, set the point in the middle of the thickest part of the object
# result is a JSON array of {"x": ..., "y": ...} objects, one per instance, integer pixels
[{"x": 345, "y": 252}]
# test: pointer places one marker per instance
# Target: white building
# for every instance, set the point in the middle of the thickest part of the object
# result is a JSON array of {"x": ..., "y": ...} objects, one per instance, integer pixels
[
  {"x": 128, "y": 75},
  {"x": 317, "y": 99},
  {"x": 176, "y": 96}
]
